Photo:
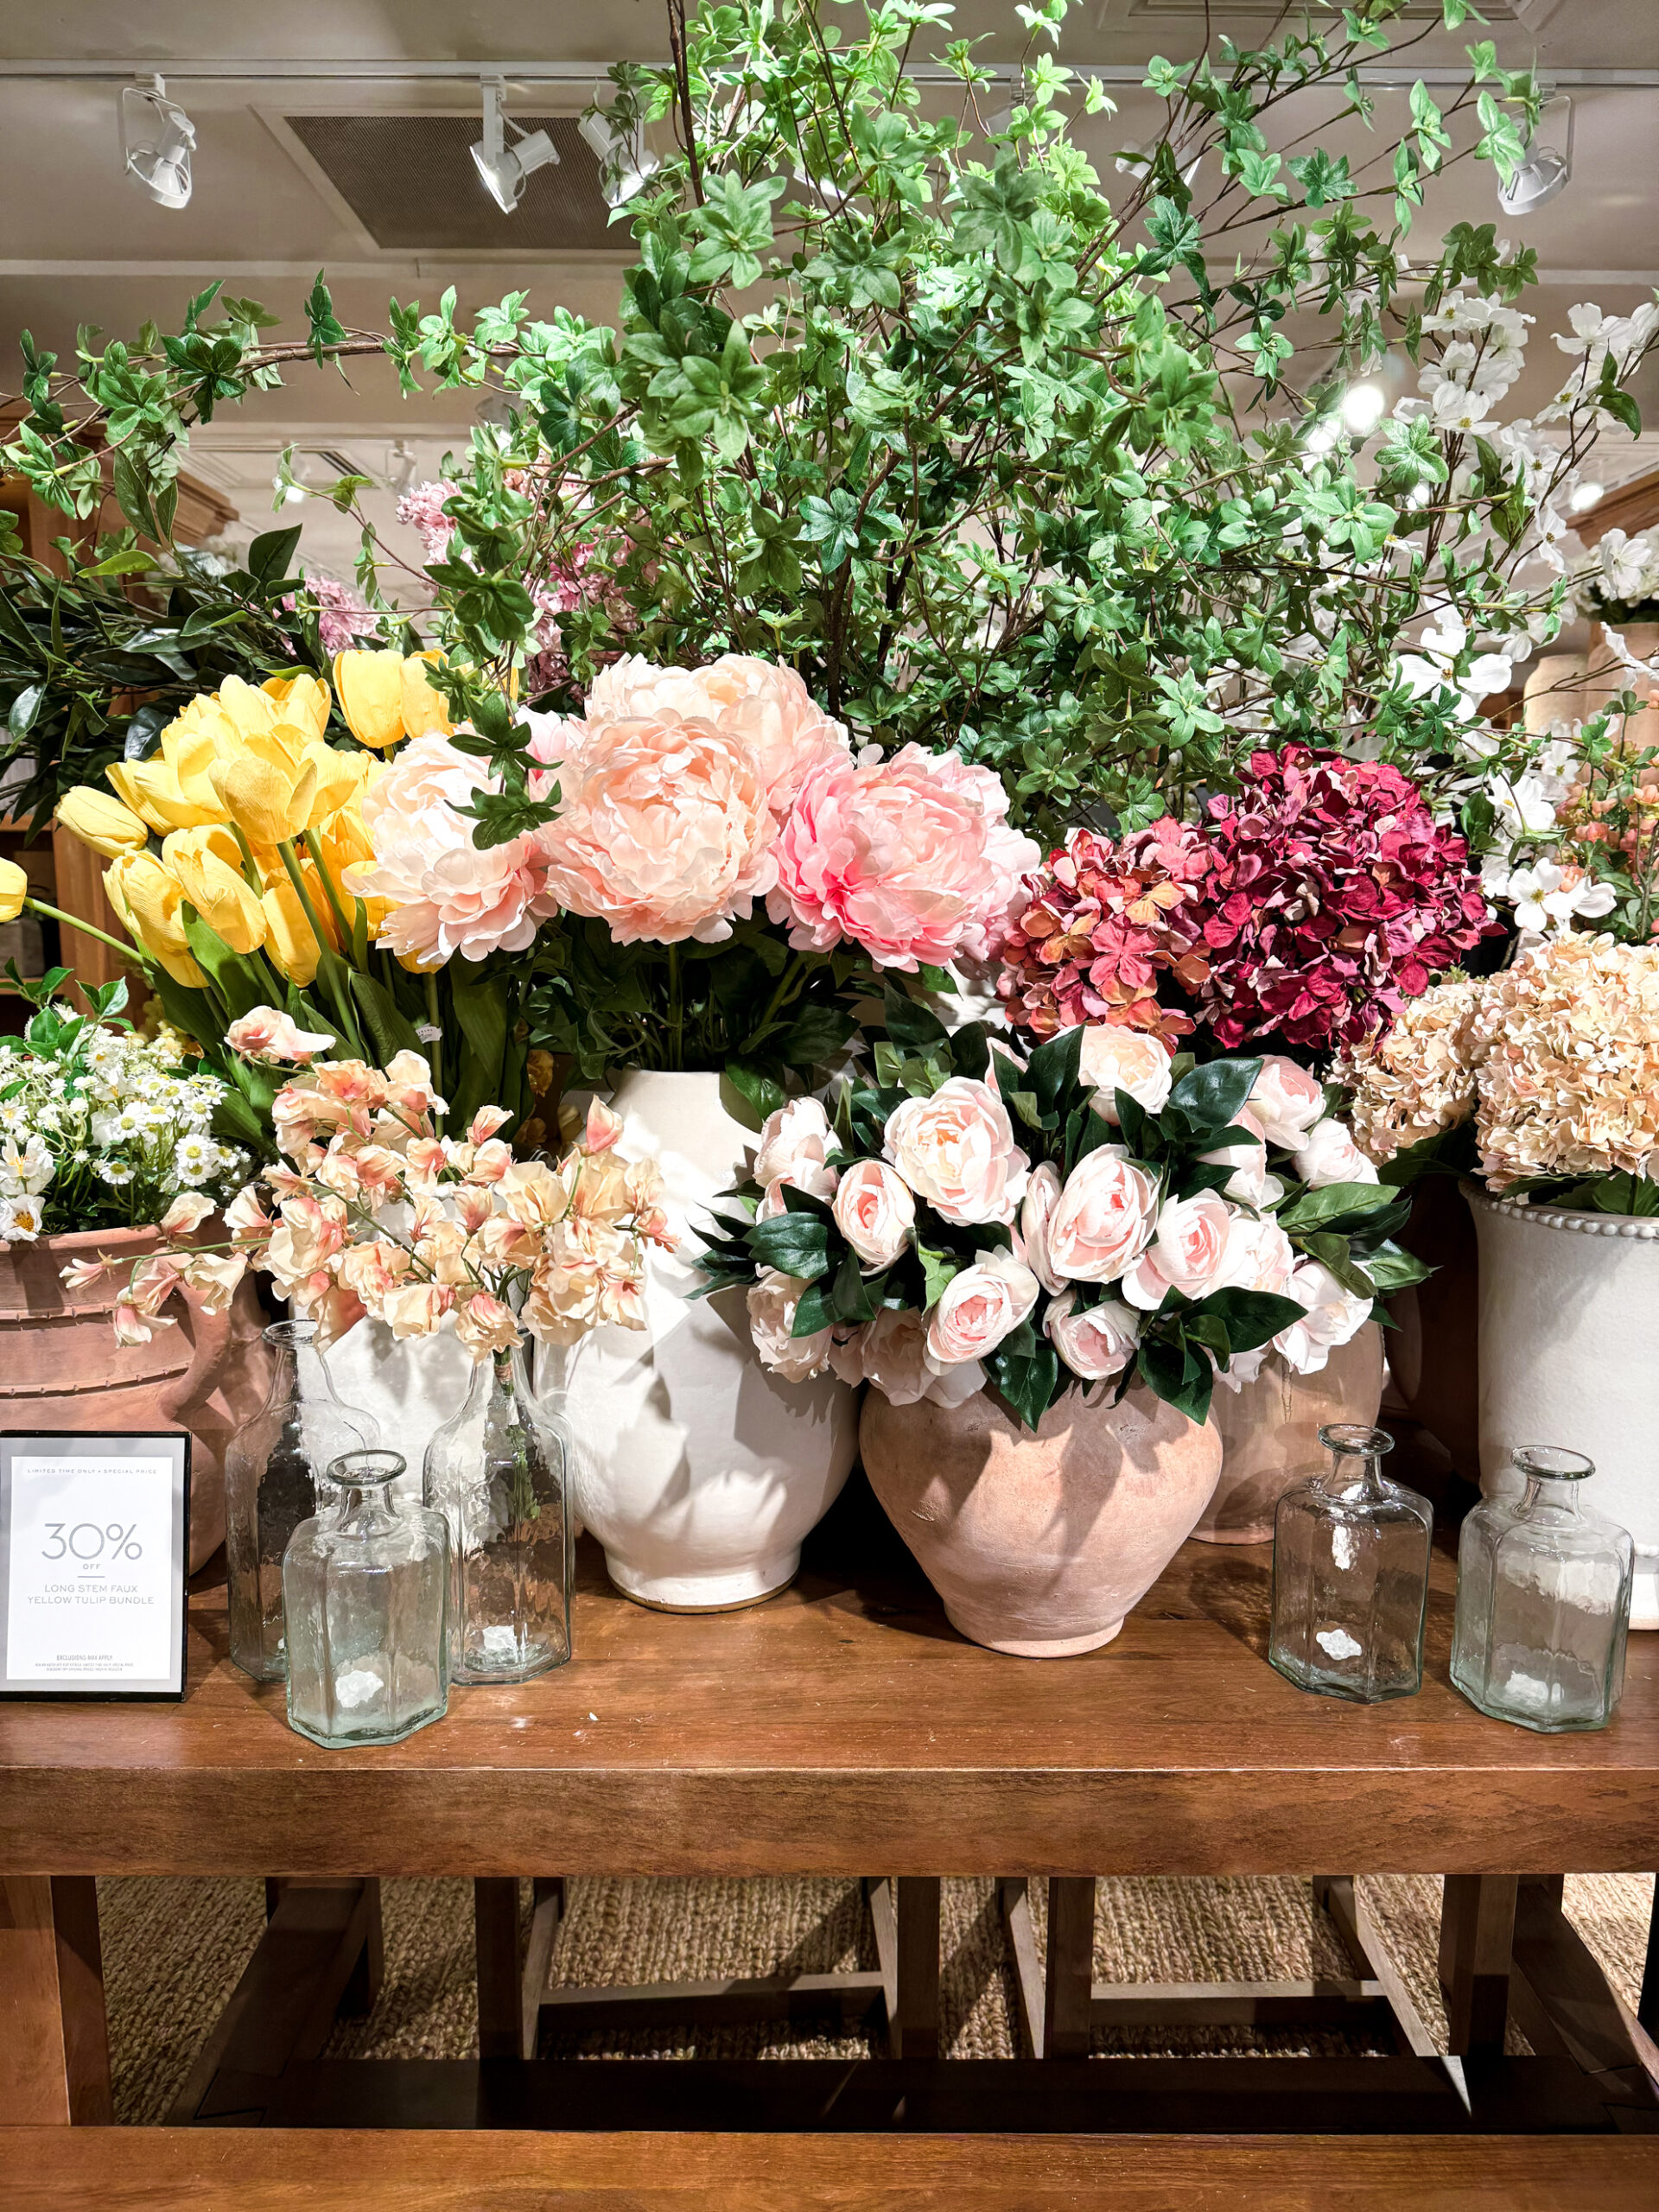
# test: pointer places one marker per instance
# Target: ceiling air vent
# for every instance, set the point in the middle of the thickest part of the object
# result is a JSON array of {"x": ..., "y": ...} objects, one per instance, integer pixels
[{"x": 410, "y": 182}]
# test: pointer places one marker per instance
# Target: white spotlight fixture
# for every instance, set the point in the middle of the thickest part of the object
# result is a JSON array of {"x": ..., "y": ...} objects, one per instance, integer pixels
[
  {"x": 626, "y": 164},
  {"x": 1543, "y": 172},
  {"x": 157, "y": 138},
  {"x": 507, "y": 169},
  {"x": 1363, "y": 408}
]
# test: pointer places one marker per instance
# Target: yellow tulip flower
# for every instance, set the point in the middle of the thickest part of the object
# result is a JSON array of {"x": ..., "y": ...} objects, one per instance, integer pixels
[
  {"x": 370, "y": 688},
  {"x": 189, "y": 750},
  {"x": 269, "y": 800},
  {"x": 148, "y": 900},
  {"x": 14, "y": 889},
  {"x": 339, "y": 783},
  {"x": 206, "y": 864},
  {"x": 423, "y": 708},
  {"x": 301, "y": 699},
  {"x": 292, "y": 943},
  {"x": 252, "y": 710},
  {"x": 101, "y": 821},
  {"x": 152, "y": 791}
]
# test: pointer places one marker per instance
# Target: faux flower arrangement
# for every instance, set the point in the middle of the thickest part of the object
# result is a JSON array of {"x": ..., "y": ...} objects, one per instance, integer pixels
[
  {"x": 372, "y": 1212},
  {"x": 1307, "y": 908},
  {"x": 1102, "y": 1212},
  {"x": 99, "y": 1128},
  {"x": 1543, "y": 1080}
]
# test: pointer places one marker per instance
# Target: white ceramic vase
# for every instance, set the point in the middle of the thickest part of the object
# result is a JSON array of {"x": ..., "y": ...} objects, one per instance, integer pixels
[
  {"x": 698, "y": 1471},
  {"x": 1569, "y": 1327},
  {"x": 412, "y": 1385}
]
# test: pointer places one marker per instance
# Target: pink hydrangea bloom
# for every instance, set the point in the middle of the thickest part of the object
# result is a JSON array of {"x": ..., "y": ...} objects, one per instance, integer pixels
[
  {"x": 344, "y": 616},
  {"x": 446, "y": 896},
  {"x": 913, "y": 858},
  {"x": 422, "y": 509}
]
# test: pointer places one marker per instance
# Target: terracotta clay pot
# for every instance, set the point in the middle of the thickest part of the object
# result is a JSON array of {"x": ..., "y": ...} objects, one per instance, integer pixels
[
  {"x": 61, "y": 1369},
  {"x": 1434, "y": 1347},
  {"x": 1270, "y": 1434},
  {"x": 1039, "y": 1543}
]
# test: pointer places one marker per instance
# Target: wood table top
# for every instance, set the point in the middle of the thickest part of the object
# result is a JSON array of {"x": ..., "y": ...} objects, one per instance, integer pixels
[{"x": 845, "y": 1728}]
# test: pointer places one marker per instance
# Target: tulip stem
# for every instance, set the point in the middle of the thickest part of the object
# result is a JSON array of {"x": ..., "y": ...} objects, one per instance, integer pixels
[
  {"x": 250, "y": 867},
  {"x": 326, "y": 954},
  {"x": 327, "y": 885},
  {"x": 128, "y": 952}
]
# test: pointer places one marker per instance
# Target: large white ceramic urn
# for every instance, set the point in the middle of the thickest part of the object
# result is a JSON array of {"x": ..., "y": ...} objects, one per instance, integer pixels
[
  {"x": 1569, "y": 1356},
  {"x": 699, "y": 1473}
]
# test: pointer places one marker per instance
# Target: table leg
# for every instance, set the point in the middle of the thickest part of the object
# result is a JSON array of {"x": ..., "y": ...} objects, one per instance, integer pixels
[
  {"x": 54, "y": 2045},
  {"x": 500, "y": 1968},
  {"x": 905, "y": 1913},
  {"x": 1476, "y": 1944},
  {"x": 1647, "y": 2009},
  {"x": 1068, "y": 1995}
]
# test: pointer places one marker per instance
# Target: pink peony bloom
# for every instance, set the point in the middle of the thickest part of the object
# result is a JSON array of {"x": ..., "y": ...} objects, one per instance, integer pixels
[
  {"x": 978, "y": 1307},
  {"x": 1095, "y": 1345},
  {"x": 1186, "y": 1252},
  {"x": 445, "y": 894},
  {"x": 1112, "y": 1058},
  {"x": 1104, "y": 1219},
  {"x": 1286, "y": 1100},
  {"x": 876, "y": 1211},
  {"x": 1328, "y": 1154},
  {"x": 956, "y": 1150},
  {"x": 912, "y": 858},
  {"x": 787, "y": 732}
]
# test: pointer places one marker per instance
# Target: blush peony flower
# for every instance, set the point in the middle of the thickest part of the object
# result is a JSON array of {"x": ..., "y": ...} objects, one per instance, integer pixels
[
  {"x": 1329, "y": 1154},
  {"x": 787, "y": 732},
  {"x": 1334, "y": 1317},
  {"x": 1113, "y": 1058},
  {"x": 1186, "y": 1252},
  {"x": 978, "y": 1307},
  {"x": 1258, "y": 1255},
  {"x": 956, "y": 1150},
  {"x": 1042, "y": 1195},
  {"x": 876, "y": 1211},
  {"x": 444, "y": 895},
  {"x": 1104, "y": 1218},
  {"x": 912, "y": 858},
  {"x": 773, "y": 1300},
  {"x": 1287, "y": 1101},
  {"x": 795, "y": 1141},
  {"x": 1095, "y": 1345},
  {"x": 663, "y": 830}
]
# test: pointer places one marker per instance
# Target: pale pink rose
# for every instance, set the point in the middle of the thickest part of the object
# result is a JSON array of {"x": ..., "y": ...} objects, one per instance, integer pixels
[
  {"x": 1333, "y": 1317},
  {"x": 876, "y": 1211},
  {"x": 794, "y": 1142},
  {"x": 1042, "y": 1195},
  {"x": 912, "y": 857},
  {"x": 1286, "y": 1100},
  {"x": 956, "y": 1150},
  {"x": 1104, "y": 1218},
  {"x": 268, "y": 1033},
  {"x": 786, "y": 731},
  {"x": 1258, "y": 1255},
  {"x": 1113, "y": 1058},
  {"x": 1250, "y": 1180},
  {"x": 772, "y": 1299},
  {"x": 1186, "y": 1252},
  {"x": 1329, "y": 1154},
  {"x": 663, "y": 830},
  {"x": 889, "y": 1353},
  {"x": 978, "y": 1307},
  {"x": 445, "y": 896},
  {"x": 1095, "y": 1345},
  {"x": 187, "y": 1211}
]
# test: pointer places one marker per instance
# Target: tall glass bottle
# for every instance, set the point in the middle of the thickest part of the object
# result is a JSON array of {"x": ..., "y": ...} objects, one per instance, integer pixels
[
  {"x": 367, "y": 1587},
  {"x": 498, "y": 1472},
  {"x": 275, "y": 1474},
  {"x": 1543, "y": 1601},
  {"x": 1351, "y": 1575}
]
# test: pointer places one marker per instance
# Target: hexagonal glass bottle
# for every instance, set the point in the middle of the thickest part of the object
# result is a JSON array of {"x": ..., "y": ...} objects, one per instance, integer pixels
[
  {"x": 1543, "y": 1601},
  {"x": 1351, "y": 1575}
]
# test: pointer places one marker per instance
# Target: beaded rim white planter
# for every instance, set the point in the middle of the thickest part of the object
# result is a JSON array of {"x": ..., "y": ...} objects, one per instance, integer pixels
[{"x": 1569, "y": 1328}]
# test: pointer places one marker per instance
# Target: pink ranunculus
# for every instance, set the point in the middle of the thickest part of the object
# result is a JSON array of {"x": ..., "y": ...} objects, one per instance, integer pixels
[
  {"x": 663, "y": 830},
  {"x": 787, "y": 732},
  {"x": 445, "y": 895},
  {"x": 795, "y": 1145},
  {"x": 268, "y": 1033},
  {"x": 1328, "y": 1154},
  {"x": 1286, "y": 1100},
  {"x": 1186, "y": 1254},
  {"x": 876, "y": 1211},
  {"x": 956, "y": 1150},
  {"x": 1104, "y": 1218},
  {"x": 978, "y": 1307},
  {"x": 1331, "y": 1316},
  {"x": 1112, "y": 1059},
  {"x": 913, "y": 858},
  {"x": 1097, "y": 1344},
  {"x": 1042, "y": 1195}
]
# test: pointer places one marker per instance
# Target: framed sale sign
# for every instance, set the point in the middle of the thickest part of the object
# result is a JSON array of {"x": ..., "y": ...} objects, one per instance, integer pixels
[{"x": 93, "y": 1564}]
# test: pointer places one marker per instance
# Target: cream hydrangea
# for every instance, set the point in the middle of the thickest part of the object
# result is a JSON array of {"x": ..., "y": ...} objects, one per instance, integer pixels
[{"x": 1417, "y": 1078}]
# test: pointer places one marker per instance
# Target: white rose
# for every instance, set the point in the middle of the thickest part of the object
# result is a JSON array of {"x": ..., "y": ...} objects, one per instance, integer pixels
[
  {"x": 794, "y": 1144},
  {"x": 956, "y": 1150},
  {"x": 1329, "y": 1154},
  {"x": 1042, "y": 1195},
  {"x": 978, "y": 1307},
  {"x": 774, "y": 1298},
  {"x": 1186, "y": 1253},
  {"x": 1333, "y": 1317},
  {"x": 1114, "y": 1058},
  {"x": 1095, "y": 1345},
  {"x": 1259, "y": 1256},
  {"x": 1287, "y": 1101},
  {"x": 876, "y": 1211}
]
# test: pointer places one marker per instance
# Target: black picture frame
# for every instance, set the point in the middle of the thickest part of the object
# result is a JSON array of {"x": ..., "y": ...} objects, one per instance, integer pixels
[{"x": 104, "y": 1444}]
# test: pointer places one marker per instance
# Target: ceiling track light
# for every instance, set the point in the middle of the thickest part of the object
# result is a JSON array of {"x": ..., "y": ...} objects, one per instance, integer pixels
[
  {"x": 507, "y": 169},
  {"x": 1543, "y": 173},
  {"x": 157, "y": 138},
  {"x": 626, "y": 164}
]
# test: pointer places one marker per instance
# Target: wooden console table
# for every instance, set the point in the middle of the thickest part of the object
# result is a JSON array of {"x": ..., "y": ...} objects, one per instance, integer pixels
[{"x": 840, "y": 1728}]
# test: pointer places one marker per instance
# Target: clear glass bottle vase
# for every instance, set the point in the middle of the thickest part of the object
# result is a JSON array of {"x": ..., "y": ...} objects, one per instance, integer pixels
[
  {"x": 1351, "y": 1553},
  {"x": 366, "y": 1585},
  {"x": 274, "y": 1477},
  {"x": 498, "y": 1472},
  {"x": 1543, "y": 1601}
]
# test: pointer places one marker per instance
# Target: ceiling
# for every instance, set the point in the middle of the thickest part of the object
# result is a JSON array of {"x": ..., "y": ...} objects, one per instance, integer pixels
[{"x": 82, "y": 244}]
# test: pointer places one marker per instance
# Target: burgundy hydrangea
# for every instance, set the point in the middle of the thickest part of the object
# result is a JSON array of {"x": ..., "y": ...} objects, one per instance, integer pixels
[
  {"x": 1114, "y": 932},
  {"x": 1333, "y": 898}
]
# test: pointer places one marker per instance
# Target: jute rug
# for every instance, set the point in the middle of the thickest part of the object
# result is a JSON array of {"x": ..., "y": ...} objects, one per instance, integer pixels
[{"x": 174, "y": 1950}]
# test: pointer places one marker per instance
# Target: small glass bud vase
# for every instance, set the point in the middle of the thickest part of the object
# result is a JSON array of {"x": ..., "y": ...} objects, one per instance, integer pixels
[
  {"x": 1543, "y": 1601},
  {"x": 367, "y": 1588},
  {"x": 498, "y": 1472},
  {"x": 1351, "y": 1575},
  {"x": 274, "y": 1477}
]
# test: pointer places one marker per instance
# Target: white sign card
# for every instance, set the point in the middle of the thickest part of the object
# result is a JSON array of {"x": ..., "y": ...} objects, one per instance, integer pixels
[{"x": 93, "y": 1564}]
